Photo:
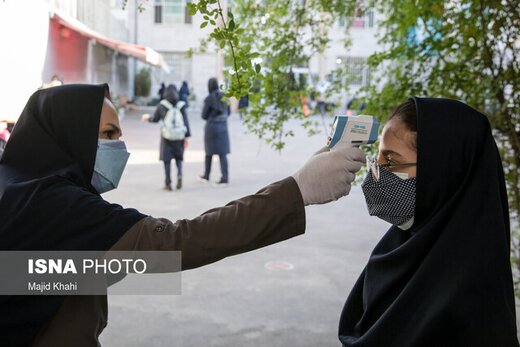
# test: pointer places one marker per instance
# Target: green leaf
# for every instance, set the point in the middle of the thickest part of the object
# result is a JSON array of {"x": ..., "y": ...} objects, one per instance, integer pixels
[
  {"x": 192, "y": 9},
  {"x": 257, "y": 68},
  {"x": 203, "y": 25}
]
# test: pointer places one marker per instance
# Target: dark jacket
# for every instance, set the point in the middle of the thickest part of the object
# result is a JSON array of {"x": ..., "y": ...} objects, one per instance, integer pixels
[
  {"x": 171, "y": 149},
  {"x": 47, "y": 201},
  {"x": 447, "y": 280},
  {"x": 161, "y": 91},
  {"x": 216, "y": 136},
  {"x": 274, "y": 214},
  {"x": 184, "y": 93}
]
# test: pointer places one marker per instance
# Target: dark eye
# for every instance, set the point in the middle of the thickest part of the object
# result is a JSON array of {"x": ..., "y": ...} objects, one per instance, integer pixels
[
  {"x": 390, "y": 162},
  {"x": 109, "y": 133}
]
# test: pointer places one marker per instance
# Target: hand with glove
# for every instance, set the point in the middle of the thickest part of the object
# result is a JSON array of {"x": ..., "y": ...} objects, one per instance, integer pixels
[{"x": 328, "y": 174}]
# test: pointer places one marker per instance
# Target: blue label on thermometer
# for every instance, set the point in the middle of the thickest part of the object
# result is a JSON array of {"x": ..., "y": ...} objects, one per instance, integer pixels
[{"x": 356, "y": 130}]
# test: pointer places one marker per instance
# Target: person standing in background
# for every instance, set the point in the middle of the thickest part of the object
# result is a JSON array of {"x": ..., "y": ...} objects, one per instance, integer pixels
[
  {"x": 243, "y": 104},
  {"x": 184, "y": 93},
  {"x": 171, "y": 148},
  {"x": 161, "y": 91},
  {"x": 216, "y": 136}
]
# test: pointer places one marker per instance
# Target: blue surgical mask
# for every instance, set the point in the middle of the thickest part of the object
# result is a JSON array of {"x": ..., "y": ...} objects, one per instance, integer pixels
[{"x": 111, "y": 158}]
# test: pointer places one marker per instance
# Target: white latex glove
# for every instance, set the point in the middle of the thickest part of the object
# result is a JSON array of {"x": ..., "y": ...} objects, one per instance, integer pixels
[{"x": 328, "y": 174}]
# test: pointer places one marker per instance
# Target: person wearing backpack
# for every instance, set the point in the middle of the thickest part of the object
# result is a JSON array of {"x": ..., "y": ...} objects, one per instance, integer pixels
[{"x": 175, "y": 130}]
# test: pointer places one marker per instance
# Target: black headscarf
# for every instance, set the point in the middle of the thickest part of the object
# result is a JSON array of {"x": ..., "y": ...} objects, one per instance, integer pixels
[
  {"x": 46, "y": 199},
  {"x": 171, "y": 94},
  {"x": 212, "y": 85},
  {"x": 184, "y": 87},
  {"x": 447, "y": 280}
]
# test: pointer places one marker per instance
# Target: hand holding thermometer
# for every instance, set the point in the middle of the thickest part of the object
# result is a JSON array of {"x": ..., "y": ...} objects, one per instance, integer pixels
[{"x": 357, "y": 130}]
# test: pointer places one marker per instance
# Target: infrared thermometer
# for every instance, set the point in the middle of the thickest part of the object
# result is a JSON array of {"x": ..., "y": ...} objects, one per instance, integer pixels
[{"x": 357, "y": 130}]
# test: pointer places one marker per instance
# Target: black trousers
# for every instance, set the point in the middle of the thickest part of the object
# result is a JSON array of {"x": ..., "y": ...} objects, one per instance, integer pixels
[
  {"x": 223, "y": 167},
  {"x": 167, "y": 170}
]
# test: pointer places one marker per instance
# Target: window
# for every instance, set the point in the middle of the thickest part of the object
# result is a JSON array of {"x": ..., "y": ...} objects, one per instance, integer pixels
[
  {"x": 365, "y": 21},
  {"x": 358, "y": 72},
  {"x": 358, "y": 22},
  {"x": 171, "y": 12},
  {"x": 370, "y": 17},
  {"x": 157, "y": 14},
  {"x": 187, "y": 17}
]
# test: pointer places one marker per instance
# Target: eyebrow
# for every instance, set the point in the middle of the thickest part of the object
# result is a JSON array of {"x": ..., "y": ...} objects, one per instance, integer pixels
[
  {"x": 116, "y": 128},
  {"x": 389, "y": 152}
]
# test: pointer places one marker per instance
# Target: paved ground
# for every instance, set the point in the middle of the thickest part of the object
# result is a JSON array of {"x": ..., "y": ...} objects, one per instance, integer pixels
[{"x": 237, "y": 301}]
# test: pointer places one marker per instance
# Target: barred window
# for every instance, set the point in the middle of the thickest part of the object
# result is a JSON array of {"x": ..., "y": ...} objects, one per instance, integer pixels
[
  {"x": 365, "y": 21},
  {"x": 187, "y": 17},
  {"x": 171, "y": 12},
  {"x": 358, "y": 71},
  {"x": 157, "y": 14}
]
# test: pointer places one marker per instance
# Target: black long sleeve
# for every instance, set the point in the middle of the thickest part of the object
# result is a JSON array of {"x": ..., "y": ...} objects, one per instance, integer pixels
[{"x": 186, "y": 121}]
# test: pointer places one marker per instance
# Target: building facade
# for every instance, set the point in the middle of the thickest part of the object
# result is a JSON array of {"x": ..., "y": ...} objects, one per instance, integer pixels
[
  {"x": 363, "y": 43},
  {"x": 166, "y": 26},
  {"x": 90, "y": 41}
]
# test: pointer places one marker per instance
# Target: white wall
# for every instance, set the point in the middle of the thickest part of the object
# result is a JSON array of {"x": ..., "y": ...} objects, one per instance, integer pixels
[{"x": 21, "y": 64}]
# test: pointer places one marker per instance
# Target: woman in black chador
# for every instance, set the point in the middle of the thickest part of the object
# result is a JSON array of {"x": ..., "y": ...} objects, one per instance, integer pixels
[
  {"x": 441, "y": 275},
  {"x": 184, "y": 93},
  {"x": 216, "y": 136},
  {"x": 161, "y": 91}
]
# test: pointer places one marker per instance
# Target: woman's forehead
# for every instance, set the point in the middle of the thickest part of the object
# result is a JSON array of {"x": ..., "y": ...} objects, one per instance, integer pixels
[
  {"x": 395, "y": 136},
  {"x": 108, "y": 112},
  {"x": 393, "y": 130},
  {"x": 109, "y": 118}
]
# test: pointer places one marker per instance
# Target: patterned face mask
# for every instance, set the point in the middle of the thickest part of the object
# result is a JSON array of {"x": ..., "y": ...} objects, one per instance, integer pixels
[{"x": 391, "y": 198}]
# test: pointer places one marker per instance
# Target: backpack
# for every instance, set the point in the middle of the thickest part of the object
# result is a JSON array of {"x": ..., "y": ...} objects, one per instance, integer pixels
[{"x": 173, "y": 127}]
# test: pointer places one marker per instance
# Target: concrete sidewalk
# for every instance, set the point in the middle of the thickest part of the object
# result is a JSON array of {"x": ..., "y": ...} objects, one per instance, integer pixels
[{"x": 239, "y": 301}]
